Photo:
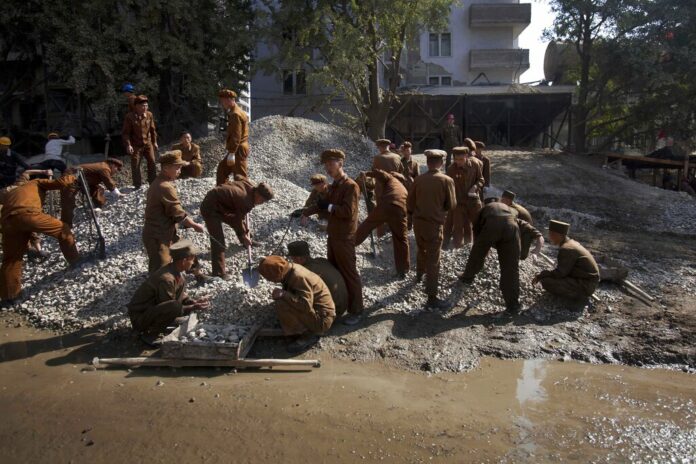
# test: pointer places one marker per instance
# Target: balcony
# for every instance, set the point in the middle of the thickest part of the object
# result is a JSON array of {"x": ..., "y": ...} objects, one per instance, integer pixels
[
  {"x": 485, "y": 15},
  {"x": 513, "y": 58}
]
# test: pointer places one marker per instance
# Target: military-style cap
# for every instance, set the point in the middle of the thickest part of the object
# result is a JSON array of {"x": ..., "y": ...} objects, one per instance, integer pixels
[
  {"x": 470, "y": 143},
  {"x": 450, "y": 116},
  {"x": 317, "y": 179},
  {"x": 182, "y": 249},
  {"x": 559, "y": 227},
  {"x": 172, "y": 157},
  {"x": 383, "y": 142},
  {"x": 227, "y": 93},
  {"x": 265, "y": 191},
  {"x": 460, "y": 151},
  {"x": 52, "y": 135},
  {"x": 273, "y": 268},
  {"x": 332, "y": 154},
  {"x": 407, "y": 145},
  {"x": 480, "y": 144},
  {"x": 439, "y": 154},
  {"x": 490, "y": 200},
  {"x": 5, "y": 141},
  {"x": 140, "y": 99},
  {"x": 115, "y": 162},
  {"x": 298, "y": 248},
  {"x": 509, "y": 194}
]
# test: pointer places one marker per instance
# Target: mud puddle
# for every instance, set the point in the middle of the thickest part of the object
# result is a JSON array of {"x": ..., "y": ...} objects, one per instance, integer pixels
[{"x": 54, "y": 410}]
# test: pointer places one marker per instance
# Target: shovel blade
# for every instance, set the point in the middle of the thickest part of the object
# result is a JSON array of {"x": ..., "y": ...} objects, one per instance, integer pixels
[{"x": 250, "y": 277}]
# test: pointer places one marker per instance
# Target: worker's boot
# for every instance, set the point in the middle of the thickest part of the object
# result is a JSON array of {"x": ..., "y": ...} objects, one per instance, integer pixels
[
  {"x": 513, "y": 309},
  {"x": 419, "y": 277},
  {"x": 436, "y": 303},
  {"x": 351, "y": 319},
  {"x": 466, "y": 280}
]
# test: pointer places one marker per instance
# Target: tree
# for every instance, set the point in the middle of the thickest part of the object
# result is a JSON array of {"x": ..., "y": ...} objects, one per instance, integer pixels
[{"x": 351, "y": 48}]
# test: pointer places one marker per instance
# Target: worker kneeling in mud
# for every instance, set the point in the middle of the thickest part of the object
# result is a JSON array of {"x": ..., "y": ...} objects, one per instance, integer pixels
[
  {"x": 304, "y": 305},
  {"x": 162, "y": 298}
]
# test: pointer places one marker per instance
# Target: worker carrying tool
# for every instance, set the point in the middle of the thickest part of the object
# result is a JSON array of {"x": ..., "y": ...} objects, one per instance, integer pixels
[
  {"x": 320, "y": 190},
  {"x": 96, "y": 175}
]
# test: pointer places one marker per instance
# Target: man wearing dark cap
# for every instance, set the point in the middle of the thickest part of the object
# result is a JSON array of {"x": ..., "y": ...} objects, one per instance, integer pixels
[
  {"x": 237, "y": 142},
  {"x": 304, "y": 305},
  {"x": 320, "y": 191},
  {"x": 466, "y": 172},
  {"x": 508, "y": 198},
  {"x": 191, "y": 153},
  {"x": 9, "y": 162},
  {"x": 95, "y": 174},
  {"x": 429, "y": 200},
  {"x": 486, "y": 161},
  {"x": 139, "y": 137},
  {"x": 342, "y": 206},
  {"x": 409, "y": 166},
  {"x": 387, "y": 161},
  {"x": 451, "y": 137},
  {"x": 162, "y": 297},
  {"x": 163, "y": 211},
  {"x": 498, "y": 228},
  {"x": 298, "y": 252},
  {"x": 576, "y": 275},
  {"x": 229, "y": 204}
]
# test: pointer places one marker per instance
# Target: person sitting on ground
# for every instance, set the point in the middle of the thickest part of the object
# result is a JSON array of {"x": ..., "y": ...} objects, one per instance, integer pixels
[
  {"x": 508, "y": 198},
  {"x": 191, "y": 153},
  {"x": 320, "y": 191},
  {"x": 95, "y": 174},
  {"x": 576, "y": 275},
  {"x": 304, "y": 305},
  {"x": 162, "y": 298},
  {"x": 54, "y": 152},
  {"x": 298, "y": 252}
]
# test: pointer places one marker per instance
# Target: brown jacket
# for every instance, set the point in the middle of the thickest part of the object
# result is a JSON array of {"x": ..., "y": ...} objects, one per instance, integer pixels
[
  {"x": 522, "y": 213},
  {"x": 97, "y": 173},
  {"x": 27, "y": 198},
  {"x": 486, "y": 162},
  {"x": 574, "y": 261},
  {"x": 305, "y": 291},
  {"x": 165, "y": 284},
  {"x": 343, "y": 217},
  {"x": 431, "y": 196},
  {"x": 391, "y": 189},
  {"x": 139, "y": 130},
  {"x": 389, "y": 162},
  {"x": 163, "y": 210},
  {"x": 410, "y": 170},
  {"x": 230, "y": 202},
  {"x": 527, "y": 236},
  {"x": 451, "y": 137},
  {"x": 237, "y": 141},
  {"x": 192, "y": 155},
  {"x": 314, "y": 196},
  {"x": 465, "y": 178},
  {"x": 333, "y": 280}
]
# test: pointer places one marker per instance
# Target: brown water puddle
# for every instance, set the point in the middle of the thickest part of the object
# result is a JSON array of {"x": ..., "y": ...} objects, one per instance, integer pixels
[{"x": 504, "y": 411}]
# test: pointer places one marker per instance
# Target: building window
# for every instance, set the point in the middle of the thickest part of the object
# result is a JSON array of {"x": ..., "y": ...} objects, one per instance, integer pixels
[
  {"x": 440, "y": 80},
  {"x": 440, "y": 44},
  {"x": 294, "y": 82}
]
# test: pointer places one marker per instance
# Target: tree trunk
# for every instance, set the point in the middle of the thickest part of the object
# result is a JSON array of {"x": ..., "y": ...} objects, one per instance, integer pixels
[{"x": 581, "y": 110}]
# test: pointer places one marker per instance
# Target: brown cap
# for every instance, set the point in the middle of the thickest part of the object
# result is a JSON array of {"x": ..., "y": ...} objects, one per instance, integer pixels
[
  {"x": 274, "y": 268},
  {"x": 182, "y": 249},
  {"x": 332, "y": 154},
  {"x": 460, "y": 151},
  {"x": 115, "y": 162},
  {"x": 265, "y": 190},
  {"x": 383, "y": 142},
  {"x": 509, "y": 194},
  {"x": 227, "y": 93},
  {"x": 140, "y": 99},
  {"x": 52, "y": 135},
  {"x": 480, "y": 144},
  {"x": 559, "y": 227},
  {"x": 433, "y": 153},
  {"x": 470, "y": 143},
  {"x": 298, "y": 248},
  {"x": 5, "y": 141},
  {"x": 317, "y": 179},
  {"x": 172, "y": 157},
  {"x": 407, "y": 145}
]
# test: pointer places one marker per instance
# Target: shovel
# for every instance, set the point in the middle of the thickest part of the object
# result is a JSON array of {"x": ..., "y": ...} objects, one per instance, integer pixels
[{"x": 250, "y": 275}]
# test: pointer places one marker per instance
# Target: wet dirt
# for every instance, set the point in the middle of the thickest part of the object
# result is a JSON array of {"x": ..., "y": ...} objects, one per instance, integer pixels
[{"x": 56, "y": 409}]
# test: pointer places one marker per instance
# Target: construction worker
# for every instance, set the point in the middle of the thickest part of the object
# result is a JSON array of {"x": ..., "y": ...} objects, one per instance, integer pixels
[
  {"x": 576, "y": 275},
  {"x": 230, "y": 203},
  {"x": 304, "y": 305},
  {"x": 191, "y": 153},
  {"x": 54, "y": 151},
  {"x": 451, "y": 137},
  {"x": 508, "y": 198},
  {"x": 139, "y": 137},
  {"x": 497, "y": 227},
  {"x": 237, "y": 142},
  {"x": 479, "y": 146},
  {"x": 22, "y": 214},
  {"x": 466, "y": 172},
  {"x": 298, "y": 252},
  {"x": 429, "y": 200},
  {"x": 9, "y": 163},
  {"x": 342, "y": 206},
  {"x": 95, "y": 174},
  {"x": 163, "y": 211},
  {"x": 128, "y": 91},
  {"x": 162, "y": 298},
  {"x": 387, "y": 161},
  {"x": 390, "y": 209},
  {"x": 320, "y": 191},
  {"x": 409, "y": 166}
]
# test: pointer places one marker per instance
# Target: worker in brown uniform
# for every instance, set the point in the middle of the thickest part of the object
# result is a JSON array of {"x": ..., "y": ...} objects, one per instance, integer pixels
[
  {"x": 342, "y": 205},
  {"x": 139, "y": 136},
  {"x": 229, "y": 204},
  {"x": 95, "y": 174},
  {"x": 429, "y": 200},
  {"x": 22, "y": 214},
  {"x": 497, "y": 227},
  {"x": 304, "y": 305},
  {"x": 320, "y": 191},
  {"x": 576, "y": 275},
  {"x": 162, "y": 298},
  {"x": 466, "y": 172},
  {"x": 390, "y": 209},
  {"x": 508, "y": 198},
  {"x": 451, "y": 137},
  {"x": 387, "y": 161},
  {"x": 237, "y": 141},
  {"x": 409, "y": 166},
  {"x": 298, "y": 252},
  {"x": 191, "y": 153},
  {"x": 163, "y": 211},
  {"x": 486, "y": 165}
]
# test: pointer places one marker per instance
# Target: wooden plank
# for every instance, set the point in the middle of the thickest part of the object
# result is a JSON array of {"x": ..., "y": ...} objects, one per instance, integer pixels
[{"x": 645, "y": 159}]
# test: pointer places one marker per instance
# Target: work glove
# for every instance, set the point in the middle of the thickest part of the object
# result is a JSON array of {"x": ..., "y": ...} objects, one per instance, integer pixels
[
  {"x": 323, "y": 204},
  {"x": 297, "y": 213}
]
